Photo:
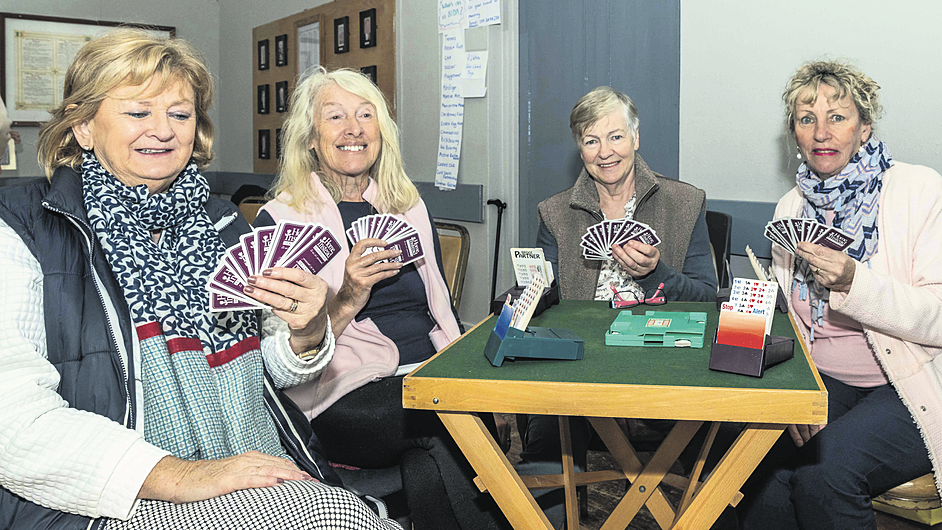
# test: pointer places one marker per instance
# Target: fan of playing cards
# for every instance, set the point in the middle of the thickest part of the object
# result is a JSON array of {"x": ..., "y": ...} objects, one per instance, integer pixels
[
  {"x": 789, "y": 231},
  {"x": 305, "y": 246},
  {"x": 598, "y": 239},
  {"x": 397, "y": 233}
]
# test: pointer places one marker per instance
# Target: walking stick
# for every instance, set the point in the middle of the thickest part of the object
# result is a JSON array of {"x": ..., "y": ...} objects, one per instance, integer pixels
[{"x": 500, "y": 211}]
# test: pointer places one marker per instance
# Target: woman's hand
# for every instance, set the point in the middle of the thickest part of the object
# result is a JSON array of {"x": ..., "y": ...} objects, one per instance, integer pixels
[
  {"x": 281, "y": 289},
  {"x": 178, "y": 481},
  {"x": 802, "y": 433},
  {"x": 361, "y": 273},
  {"x": 636, "y": 257},
  {"x": 832, "y": 269}
]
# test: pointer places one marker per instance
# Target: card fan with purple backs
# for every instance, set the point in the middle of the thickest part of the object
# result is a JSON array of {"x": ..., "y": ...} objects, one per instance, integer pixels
[
  {"x": 598, "y": 239},
  {"x": 789, "y": 231},
  {"x": 397, "y": 233},
  {"x": 289, "y": 244}
]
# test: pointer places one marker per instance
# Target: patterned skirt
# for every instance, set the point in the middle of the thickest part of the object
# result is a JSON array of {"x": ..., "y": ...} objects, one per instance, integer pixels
[{"x": 294, "y": 505}]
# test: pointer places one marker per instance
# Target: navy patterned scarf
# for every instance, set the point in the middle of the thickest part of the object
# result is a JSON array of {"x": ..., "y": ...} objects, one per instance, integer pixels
[
  {"x": 854, "y": 196},
  {"x": 202, "y": 372}
]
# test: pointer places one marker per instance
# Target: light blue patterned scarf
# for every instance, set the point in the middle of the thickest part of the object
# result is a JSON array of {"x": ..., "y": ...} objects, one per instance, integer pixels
[
  {"x": 202, "y": 372},
  {"x": 854, "y": 196}
]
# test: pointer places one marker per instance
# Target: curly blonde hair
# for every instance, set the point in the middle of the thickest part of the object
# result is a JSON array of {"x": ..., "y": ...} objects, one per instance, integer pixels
[
  {"x": 396, "y": 193},
  {"x": 844, "y": 78},
  {"x": 125, "y": 57}
]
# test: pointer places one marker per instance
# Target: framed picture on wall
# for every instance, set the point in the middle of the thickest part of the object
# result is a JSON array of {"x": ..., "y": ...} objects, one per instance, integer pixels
[
  {"x": 342, "y": 35},
  {"x": 263, "y": 54},
  {"x": 278, "y": 143},
  {"x": 281, "y": 50},
  {"x": 309, "y": 43},
  {"x": 281, "y": 96},
  {"x": 35, "y": 53},
  {"x": 263, "y": 99},
  {"x": 264, "y": 144},
  {"x": 368, "y": 28},
  {"x": 369, "y": 71}
]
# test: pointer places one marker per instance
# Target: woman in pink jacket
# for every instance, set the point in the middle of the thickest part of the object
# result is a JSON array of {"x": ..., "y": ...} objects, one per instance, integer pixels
[
  {"x": 871, "y": 315},
  {"x": 342, "y": 163}
]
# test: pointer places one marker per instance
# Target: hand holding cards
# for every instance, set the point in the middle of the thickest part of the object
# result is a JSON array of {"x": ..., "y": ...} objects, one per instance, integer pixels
[
  {"x": 789, "y": 231},
  {"x": 305, "y": 246},
  {"x": 398, "y": 234},
  {"x": 598, "y": 240}
]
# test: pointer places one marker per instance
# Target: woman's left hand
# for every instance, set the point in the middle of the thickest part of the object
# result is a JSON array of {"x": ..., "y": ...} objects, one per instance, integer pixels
[
  {"x": 636, "y": 257},
  {"x": 832, "y": 269},
  {"x": 281, "y": 289}
]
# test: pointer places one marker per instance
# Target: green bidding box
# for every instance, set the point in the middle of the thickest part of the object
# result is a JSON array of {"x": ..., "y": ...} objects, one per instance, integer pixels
[{"x": 657, "y": 329}]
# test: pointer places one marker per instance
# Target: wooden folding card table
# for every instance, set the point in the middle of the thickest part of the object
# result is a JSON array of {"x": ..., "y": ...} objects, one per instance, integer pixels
[{"x": 613, "y": 382}]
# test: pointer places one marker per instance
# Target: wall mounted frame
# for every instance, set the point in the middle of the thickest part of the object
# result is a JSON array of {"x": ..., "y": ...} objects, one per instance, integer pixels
[{"x": 32, "y": 48}]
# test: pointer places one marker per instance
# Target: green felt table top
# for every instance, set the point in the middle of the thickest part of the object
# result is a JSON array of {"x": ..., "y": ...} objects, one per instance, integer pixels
[{"x": 617, "y": 364}]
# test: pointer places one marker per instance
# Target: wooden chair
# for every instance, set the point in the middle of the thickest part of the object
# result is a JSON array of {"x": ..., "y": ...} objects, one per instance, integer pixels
[
  {"x": 250, "y": 206},
  {"x": 456, "y": 249},
  {"x": 917, "y": 500}
]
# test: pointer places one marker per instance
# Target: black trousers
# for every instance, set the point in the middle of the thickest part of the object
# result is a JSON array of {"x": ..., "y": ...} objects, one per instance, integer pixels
[{"x": 369, "y": 428}]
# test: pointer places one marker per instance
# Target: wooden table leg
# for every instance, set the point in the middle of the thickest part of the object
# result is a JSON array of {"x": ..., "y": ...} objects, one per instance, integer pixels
[
  {"x": 500, "y": 478},
  {"x": 569, "y": 483},
  {"x": 737, "y": 464},
  {"x": 646, "y": 483}
]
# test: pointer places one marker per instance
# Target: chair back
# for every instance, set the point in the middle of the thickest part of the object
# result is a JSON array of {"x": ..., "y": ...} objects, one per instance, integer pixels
[
  {"x": 250, "y": 207},
  {"x": 720, "y": 228},
  {"x": 456, "y": 248}
]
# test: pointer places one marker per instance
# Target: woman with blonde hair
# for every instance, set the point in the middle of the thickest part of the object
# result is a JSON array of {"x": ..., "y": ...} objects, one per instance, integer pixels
[
  {"x": 341, "y": 162},
  {"x": 126, "y": 403},
  {"x": 871, "y": 315}
]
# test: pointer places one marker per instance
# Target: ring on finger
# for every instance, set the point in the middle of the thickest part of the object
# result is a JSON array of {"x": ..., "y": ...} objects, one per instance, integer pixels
[{"x": 294, "y": 306}]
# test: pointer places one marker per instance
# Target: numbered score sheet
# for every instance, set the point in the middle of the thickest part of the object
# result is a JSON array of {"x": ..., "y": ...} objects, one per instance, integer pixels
[{"x": 746, "y": 318}]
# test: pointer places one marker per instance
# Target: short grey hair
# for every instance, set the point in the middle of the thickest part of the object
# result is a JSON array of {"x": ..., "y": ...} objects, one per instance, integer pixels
[{"x": 597, "y": 104}]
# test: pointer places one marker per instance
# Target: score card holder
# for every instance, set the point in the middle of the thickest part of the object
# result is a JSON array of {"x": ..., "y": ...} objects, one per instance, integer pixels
[
  {"x": 534, "y": 343},
  {"x": 751, "y": 361},
  {"x": 549, "y": 298}
]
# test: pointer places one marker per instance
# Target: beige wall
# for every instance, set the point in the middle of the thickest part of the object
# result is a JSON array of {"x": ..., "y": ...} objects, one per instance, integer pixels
[
  {"x": 736, "y": 57},
  {"x": 196, "y": 21}
]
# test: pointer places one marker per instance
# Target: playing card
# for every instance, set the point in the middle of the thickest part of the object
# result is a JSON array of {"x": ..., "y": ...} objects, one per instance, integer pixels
[
  {"x": 306, "y": 246},
  {"x": 834, "y": 239},
  {"x": 598, "y": 239},
  {"x": 318, "y": 251},
  {"x": 410, "y": 246}
]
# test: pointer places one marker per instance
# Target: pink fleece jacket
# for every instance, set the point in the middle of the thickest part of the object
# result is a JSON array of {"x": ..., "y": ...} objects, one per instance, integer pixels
[
  {"x": 898, "y": 298},
  {"x": 362, "y": 353}
]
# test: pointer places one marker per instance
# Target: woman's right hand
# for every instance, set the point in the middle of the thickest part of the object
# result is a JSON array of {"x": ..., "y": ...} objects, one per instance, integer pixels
[
  {"x": 361, "y": 273},
  {"x": 179, "y": 481}
]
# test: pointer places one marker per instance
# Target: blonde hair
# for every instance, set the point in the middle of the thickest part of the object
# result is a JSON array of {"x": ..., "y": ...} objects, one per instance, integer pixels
[
  {"x": 844, "y": 78},
  {"x": 125, "y": 57},
  {"x": 396, "y": 193},
  {"x": 597, "y": 104}
]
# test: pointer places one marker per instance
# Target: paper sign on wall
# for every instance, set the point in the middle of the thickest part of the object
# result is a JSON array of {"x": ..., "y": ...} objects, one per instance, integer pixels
[
  {"x": 451, "y": 120},
  {"x": 482, "y": 13},
  {"x": 451, "y": 15},
  {"x": 475, "y": 74}
]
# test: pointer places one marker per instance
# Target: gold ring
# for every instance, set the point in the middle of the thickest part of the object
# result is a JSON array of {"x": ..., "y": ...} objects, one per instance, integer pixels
[{"x": 294, "y": 306}]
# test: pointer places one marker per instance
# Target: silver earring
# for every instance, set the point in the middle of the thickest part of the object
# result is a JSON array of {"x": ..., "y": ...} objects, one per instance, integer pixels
[
  {"x": 798, "y": 152},
  {"x": 85, "y": 147}
]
